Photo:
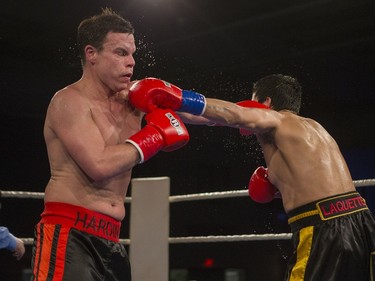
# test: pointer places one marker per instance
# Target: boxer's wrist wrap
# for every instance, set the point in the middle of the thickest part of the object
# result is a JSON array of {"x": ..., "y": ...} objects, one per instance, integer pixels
[
  {"x": 193, "y": 102},
  {"x": 141, "y": 155}
]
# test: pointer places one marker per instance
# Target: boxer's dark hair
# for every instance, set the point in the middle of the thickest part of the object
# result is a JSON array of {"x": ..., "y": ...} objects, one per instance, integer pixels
[
  {"x": 93, "y": 30},
  {"x": 285, "y": 92}
]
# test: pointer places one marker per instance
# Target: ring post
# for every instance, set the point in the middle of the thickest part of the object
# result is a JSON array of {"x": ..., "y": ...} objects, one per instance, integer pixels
[{"x": 149, "y": 229}]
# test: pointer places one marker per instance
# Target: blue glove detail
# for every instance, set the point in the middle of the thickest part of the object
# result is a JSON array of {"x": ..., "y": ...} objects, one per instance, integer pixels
[
  {"x": 12, "y": 242},
  {"x": 7, "y": 240},
  {"x": 193, "y": 102}
]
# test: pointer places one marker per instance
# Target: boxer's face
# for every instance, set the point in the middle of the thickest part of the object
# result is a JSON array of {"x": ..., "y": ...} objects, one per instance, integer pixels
[{"x": 114, "y": 63}]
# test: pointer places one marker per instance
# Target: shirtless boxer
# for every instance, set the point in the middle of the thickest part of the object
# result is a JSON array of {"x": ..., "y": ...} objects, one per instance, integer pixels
[
  {"x": 94, "y": 139},
  {"x": 333, "y": 230}
]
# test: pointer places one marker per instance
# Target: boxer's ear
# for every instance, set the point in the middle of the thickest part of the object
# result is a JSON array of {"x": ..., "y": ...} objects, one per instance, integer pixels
[
  {"x": 90, "y": 53},
  {"x": 268, "y": 102}
]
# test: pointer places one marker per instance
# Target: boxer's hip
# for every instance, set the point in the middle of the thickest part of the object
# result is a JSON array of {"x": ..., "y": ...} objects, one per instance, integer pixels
[
  {"x": 81, "y": 219},
  {"x": 326, "y": 209}
]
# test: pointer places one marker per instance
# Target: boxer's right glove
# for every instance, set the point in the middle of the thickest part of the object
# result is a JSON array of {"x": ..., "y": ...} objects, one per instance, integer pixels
[
  {"x": 151, "y": 93},
  {"x": 261, "y": 190},
  {"x": 250, "y": 103},
  {"x": 164, "y": 131}
]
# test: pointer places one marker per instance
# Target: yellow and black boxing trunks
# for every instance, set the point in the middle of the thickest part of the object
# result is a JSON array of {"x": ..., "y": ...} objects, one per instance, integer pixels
[
  {"x": 73, "y": 243},
  {"x": 333, "y": 239}
]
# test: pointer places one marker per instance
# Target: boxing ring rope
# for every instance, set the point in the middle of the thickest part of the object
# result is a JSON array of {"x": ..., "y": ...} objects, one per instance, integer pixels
[
  {"x": 209, "y": 238},
  {"x": 172, "y": 199},
  {"x": 149, "y": 224},
  {"x": 241, "y": 193}
]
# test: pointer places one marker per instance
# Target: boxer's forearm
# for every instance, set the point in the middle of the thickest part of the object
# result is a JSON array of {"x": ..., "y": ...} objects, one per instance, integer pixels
[{"x": 222, "y": 112}]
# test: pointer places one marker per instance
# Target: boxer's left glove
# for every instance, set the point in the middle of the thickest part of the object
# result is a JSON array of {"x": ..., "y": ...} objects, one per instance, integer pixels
[
  {"x": 8, "y": 240},
  {"x": 164, "y": 131},
  {"x": 250, "y": 103},
  {"x": 261, "y": 190},
  {"x": 151, "y": 93}
]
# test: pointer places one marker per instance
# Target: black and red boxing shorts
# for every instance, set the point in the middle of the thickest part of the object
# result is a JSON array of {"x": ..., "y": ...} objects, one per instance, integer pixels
[
  {"x": 82, "y": 219},
  {"x": 74, "y": 243}
]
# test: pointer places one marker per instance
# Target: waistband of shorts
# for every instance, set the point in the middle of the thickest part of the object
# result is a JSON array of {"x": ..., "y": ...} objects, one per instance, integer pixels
[
  {"x": 81, "y": 219},
  {"x": 326, "y": 209}
]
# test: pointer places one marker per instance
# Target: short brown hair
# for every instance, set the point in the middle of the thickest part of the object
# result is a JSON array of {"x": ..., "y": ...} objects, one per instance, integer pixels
[
  {"x": 285, "y": 92},
  {"x": 93, "y": 30}
]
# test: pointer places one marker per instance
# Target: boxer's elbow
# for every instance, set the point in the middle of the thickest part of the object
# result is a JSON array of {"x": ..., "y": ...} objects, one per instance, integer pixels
[
  {"x": 101, "y": 170},
  {"x": 97, "y": 173}
]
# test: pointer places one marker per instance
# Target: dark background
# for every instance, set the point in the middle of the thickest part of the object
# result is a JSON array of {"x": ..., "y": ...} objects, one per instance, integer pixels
[{"x": 218, "y": 48}]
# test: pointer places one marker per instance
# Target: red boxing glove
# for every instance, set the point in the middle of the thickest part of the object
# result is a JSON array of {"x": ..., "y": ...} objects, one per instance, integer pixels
[
  {"x": 164, "y": 131},
  {"x": 261, "y": 190},
  {"x": 151, "y": 93},
  {"x": 250, "y": 103}
]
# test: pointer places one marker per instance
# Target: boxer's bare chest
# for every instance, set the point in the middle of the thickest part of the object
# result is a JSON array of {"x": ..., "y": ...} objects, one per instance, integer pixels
[{"x": 116, "y": 122}]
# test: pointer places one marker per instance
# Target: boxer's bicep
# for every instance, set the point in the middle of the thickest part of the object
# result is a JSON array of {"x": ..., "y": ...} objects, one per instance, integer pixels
[{"x": 259, "y": 120}]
